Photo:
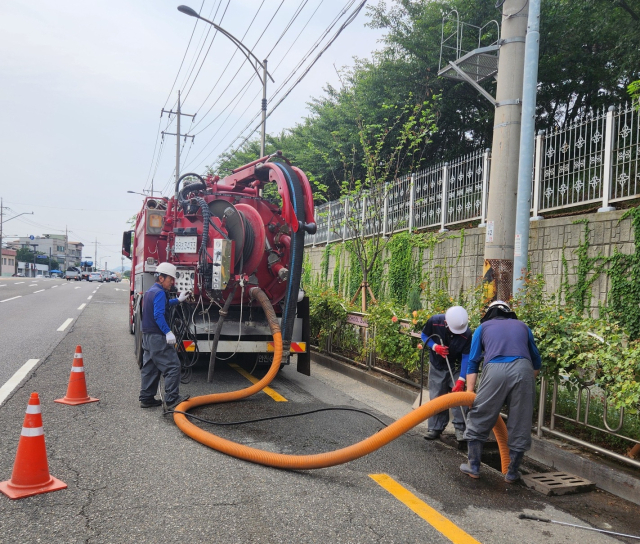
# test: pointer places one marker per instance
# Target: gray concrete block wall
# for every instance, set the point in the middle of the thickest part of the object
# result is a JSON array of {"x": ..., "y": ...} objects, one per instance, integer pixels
[{"x": 547, "y": 240}]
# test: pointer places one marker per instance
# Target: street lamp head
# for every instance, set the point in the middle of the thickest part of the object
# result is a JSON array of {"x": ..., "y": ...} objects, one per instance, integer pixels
[{"x": 188, "y": 11}]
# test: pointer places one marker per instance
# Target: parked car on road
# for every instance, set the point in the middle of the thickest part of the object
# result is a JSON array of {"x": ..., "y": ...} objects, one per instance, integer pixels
[{"x": 95, "y": 276}]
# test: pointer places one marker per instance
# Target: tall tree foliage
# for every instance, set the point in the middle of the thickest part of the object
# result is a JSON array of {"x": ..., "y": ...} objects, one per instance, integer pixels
[{"x": 589, "y": 54}]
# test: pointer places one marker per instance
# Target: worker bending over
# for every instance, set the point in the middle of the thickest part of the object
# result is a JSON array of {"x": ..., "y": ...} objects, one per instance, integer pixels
[
  {"x": 158, "y": 342},
  {"x": 447, "y": 335},
  {"x": 511, "y": 364}
]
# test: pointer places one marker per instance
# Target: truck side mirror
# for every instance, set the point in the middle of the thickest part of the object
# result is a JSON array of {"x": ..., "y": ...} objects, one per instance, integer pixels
[{"x": 126, "y": 243}]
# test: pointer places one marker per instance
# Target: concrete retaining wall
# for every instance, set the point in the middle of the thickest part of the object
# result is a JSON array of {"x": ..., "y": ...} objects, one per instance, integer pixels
[{"x": 547, "y": 239}]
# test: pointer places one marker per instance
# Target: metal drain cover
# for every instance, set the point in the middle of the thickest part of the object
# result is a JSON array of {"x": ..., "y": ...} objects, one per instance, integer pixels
[{"x": 557, "y": 483}]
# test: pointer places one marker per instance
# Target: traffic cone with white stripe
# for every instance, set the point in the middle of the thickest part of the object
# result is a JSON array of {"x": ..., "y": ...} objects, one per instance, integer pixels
[
  {"x": 31, "y": 470},
  {"x": 77, "y": 390}
]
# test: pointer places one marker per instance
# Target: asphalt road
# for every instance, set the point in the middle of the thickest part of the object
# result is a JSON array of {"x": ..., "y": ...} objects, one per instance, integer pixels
[{"x": 134, "y": 477}]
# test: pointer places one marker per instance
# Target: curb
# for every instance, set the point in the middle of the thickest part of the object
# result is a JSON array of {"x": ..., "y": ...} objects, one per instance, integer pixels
[{"x": 613, "y": 479}]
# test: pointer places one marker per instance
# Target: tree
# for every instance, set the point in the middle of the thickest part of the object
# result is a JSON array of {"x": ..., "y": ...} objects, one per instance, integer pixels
[{"x": 389, "y": 149}]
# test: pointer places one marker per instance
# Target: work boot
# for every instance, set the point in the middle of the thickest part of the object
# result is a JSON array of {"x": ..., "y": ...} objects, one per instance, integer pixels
[
  {"x": 150, "y": 403},
  {"x": 432, "y": 435},
  {"x": 512, "y": 474},
  {"x": 474, "y": 453},
  {"x": 460, "y": 435}
]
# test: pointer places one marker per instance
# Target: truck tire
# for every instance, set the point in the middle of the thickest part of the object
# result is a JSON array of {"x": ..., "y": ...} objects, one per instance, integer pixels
[{"x": 138, "y": 339}]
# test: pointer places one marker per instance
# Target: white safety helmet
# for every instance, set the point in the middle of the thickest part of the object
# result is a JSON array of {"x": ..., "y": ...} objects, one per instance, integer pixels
[
  {"x": 501, "y": 305},
  {"x": 166, "y": 269},
  {"x": 457, "y": 319}
]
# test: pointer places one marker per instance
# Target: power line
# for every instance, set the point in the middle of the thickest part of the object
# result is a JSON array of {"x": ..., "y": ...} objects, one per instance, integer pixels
[{"x": 346, "y": 23}]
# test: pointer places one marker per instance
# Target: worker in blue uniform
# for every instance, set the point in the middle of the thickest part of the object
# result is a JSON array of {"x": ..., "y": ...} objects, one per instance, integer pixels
[
  {"x": 447, "y": 335},
  {"x": 158, "y": 342},
  {"x": 511, "y": 364}
]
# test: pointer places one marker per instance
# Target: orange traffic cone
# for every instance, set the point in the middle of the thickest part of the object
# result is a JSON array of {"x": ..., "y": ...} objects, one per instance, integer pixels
[
  {"x": 31, "y": 470},
  {"x": 77, "y": 390}
]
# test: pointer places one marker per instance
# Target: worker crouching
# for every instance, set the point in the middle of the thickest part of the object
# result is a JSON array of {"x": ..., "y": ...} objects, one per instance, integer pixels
[
  {"x": 511, "y": 365},
  {"x": 449, "y": 338}
]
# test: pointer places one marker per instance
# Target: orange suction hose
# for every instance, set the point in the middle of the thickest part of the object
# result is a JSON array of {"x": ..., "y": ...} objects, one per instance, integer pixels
[{"x": 328, "y": 459}]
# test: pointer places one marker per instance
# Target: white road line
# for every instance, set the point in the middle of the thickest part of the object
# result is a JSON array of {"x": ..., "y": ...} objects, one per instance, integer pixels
[
  {"x": 77, "y": 287},
  {"x": 82, "y": 306},
  {"x": 12, "y": 298},
  {"x": 40, "y": 291},
  {"x": 13, "y": 382},
  {"x": 33, "y": 285},
  {"x": 3, "y": 285},
  {"x": 54, "y": 287},
  {"x": 89, "y": 297},
  {"x": 18, "y": 282},
  {"x": 95, "y": 291},
  {"x": 65, "y": 324}
]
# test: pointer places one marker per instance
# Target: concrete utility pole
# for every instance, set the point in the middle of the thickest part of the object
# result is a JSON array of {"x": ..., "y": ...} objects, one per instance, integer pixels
[
  {"x": 66, "y": 248},
  {"x": 501, "y": 212},
  {"x": 1, "y": 229},
  {"x": 95, "y": 257},
  {"x": 527, "y": 143},
  {"x": 177, "y": 134}
]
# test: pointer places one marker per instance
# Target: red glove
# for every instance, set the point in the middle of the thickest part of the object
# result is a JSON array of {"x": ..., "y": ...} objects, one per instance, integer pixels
[
  {"x": 459, "y": 388},
  {"x": 441, "y": 350}
]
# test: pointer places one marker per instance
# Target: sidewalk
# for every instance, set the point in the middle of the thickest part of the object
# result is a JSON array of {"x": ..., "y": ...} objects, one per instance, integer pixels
[{"x": 552, "y": 453}]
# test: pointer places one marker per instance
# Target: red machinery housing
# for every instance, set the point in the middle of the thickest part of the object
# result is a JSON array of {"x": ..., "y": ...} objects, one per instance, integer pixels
[{"x": 225, "y": 237}]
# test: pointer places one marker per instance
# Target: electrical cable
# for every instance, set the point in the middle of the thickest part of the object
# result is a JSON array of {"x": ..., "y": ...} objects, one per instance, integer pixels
[
  {"x": 287, "y": 78},
  {"x": 183, "y": 58},
  {"x": 207, "y": 53},
  {"x": 284, "y": 416},
  {"x": 349, "y": 20}
]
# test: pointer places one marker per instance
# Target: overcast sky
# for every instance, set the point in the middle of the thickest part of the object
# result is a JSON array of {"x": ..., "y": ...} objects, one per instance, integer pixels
[{"x": 83, "y": 83}]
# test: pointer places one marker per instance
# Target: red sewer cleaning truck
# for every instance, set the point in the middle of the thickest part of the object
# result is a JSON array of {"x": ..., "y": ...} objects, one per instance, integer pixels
[{"x": 225, "y": 237}]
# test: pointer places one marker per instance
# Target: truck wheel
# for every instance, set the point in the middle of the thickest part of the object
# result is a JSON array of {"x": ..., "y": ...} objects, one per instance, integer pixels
[{"x": 138, "y": 340}]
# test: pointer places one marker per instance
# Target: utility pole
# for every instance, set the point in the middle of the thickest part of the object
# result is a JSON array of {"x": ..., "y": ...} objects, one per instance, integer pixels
[
  {"x": 177, "y": 134},
  {"x": 95, "y": 257},
  {"x": 35, "y": 271},
  {"x": 66, "y": 248},
  {"x": 501, "y": 213}
]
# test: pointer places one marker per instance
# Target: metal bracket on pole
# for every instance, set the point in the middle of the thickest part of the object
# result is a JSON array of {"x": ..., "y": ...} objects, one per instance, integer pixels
[
  {"x": 514, "y": 39},
  {"x": 477, "y": 87},
  {"x": 514, "y": 102}
]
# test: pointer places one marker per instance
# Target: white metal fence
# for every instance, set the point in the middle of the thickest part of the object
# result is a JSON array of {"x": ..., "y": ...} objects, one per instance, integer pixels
[{"x": 595, "y": 160}]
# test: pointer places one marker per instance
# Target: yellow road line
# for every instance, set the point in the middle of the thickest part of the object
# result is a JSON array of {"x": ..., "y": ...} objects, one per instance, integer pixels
[
  {"x": 431, "y": 516},
  {"x": 273, "y": 394}
]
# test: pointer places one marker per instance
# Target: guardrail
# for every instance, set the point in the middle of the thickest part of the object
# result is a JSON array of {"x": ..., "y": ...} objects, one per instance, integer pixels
[{"x": 357, "y": 338}]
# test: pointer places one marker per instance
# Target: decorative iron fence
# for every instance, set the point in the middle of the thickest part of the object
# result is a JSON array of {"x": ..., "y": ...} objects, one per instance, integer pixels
[{"x": 595, "y": 160}]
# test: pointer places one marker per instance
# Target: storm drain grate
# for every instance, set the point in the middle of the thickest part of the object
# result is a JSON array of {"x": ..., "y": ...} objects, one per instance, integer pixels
[{"x": 557, "y": 483}]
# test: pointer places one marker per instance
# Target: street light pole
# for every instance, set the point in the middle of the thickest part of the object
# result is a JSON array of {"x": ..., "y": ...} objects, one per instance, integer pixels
[{"x": 251, "y": 58}]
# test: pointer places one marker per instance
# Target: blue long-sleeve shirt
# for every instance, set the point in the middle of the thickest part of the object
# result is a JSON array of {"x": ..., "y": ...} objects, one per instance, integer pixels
[
  {"x": 154, "y": 309},
  {"x": 159, "y": 309},
  {"x": 477, "y": 348}
]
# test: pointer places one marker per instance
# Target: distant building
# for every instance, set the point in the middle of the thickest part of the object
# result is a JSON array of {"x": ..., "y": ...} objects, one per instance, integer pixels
[
  {"x": 9, "y": 262},
  {"x": 66, "y": 252}
]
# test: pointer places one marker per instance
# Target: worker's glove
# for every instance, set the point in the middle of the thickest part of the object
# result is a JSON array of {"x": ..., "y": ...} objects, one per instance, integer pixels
[
  {"x": 441, "y": 350},
  {"x": 184, "y": 296},
  {"x": 171, "y": 339},
  {"x": 459, "y": 388}
]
